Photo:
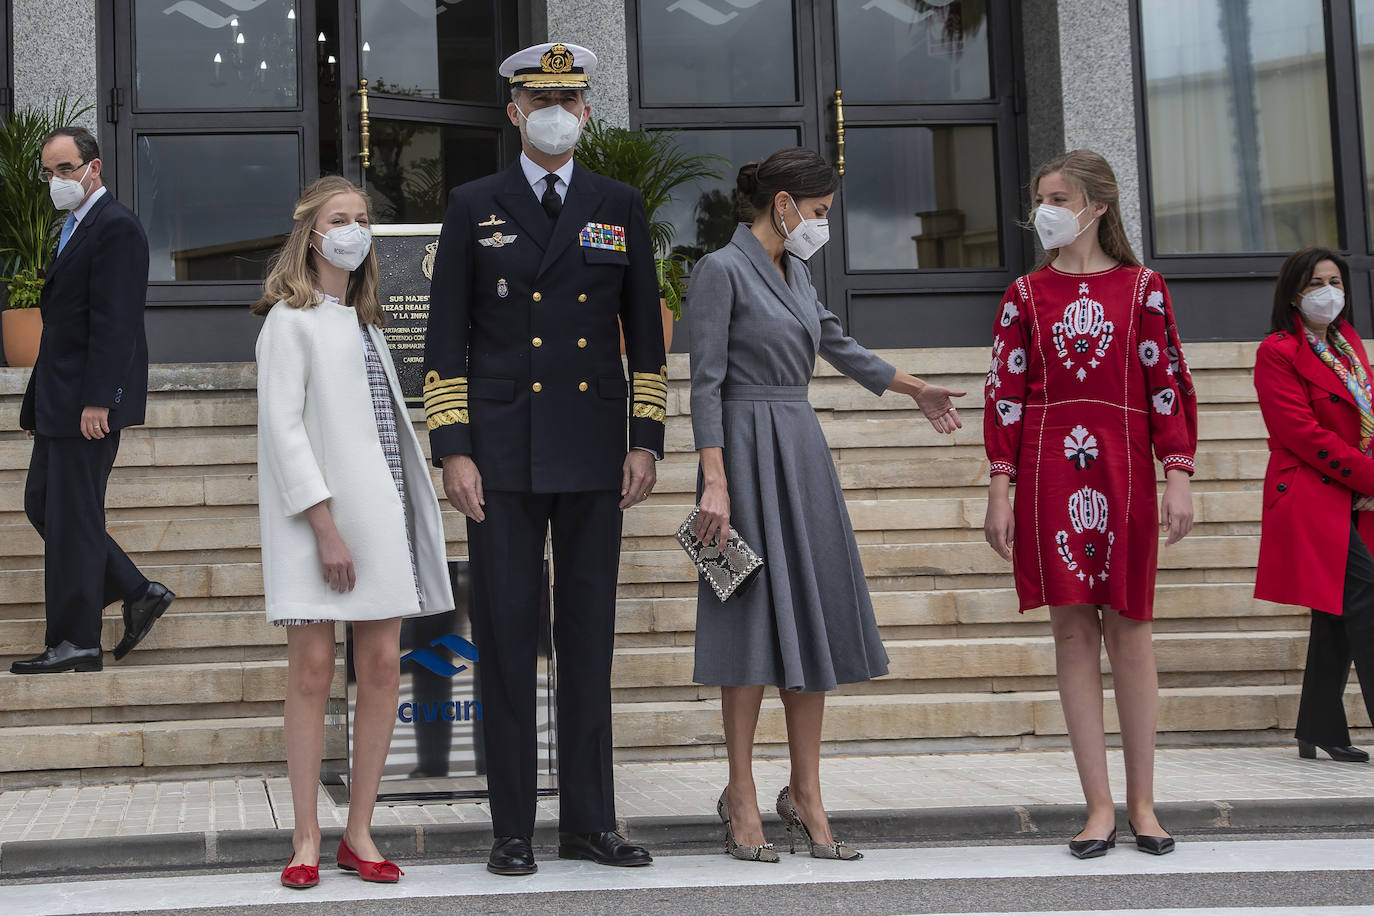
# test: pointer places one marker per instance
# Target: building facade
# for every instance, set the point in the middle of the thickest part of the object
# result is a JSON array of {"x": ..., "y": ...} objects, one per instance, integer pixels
[{"x": 1237, "y": 129}]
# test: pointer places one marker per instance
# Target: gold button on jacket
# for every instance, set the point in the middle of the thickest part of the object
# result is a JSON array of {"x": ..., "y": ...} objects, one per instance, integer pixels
[
  {"x": 536, "y": 387},
  {"x": 581, "y": 386},
  {"x": 582, "y": 297},
  {"x": 537, "y": 297},
  {"x": 581, "y": 343},
  {"x": 538, "y": 342}
]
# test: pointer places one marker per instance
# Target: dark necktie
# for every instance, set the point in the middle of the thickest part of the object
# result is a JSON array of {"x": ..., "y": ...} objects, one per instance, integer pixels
[{"x": 553, "y": 204}]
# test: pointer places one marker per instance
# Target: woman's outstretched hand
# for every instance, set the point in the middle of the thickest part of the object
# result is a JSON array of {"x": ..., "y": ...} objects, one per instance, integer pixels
[{"x": 935, "y": 403}]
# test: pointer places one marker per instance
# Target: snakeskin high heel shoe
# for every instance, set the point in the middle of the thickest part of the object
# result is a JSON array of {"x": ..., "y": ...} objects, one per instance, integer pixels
[
  {"x": 764, "y": 853},
  {"x": 793, "y": 822}
]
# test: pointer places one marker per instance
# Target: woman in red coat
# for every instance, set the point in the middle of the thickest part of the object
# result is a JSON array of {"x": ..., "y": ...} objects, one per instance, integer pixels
[
  {"x": 1313, "y": 380},
  {"x": 1087, "y": 382}
]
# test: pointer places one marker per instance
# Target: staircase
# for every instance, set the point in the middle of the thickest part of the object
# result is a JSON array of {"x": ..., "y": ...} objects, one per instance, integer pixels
[{"x": 203, "y": 693}]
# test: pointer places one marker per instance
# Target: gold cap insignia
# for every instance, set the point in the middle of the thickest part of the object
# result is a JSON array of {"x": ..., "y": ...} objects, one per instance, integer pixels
[{"x": 557, "y": 59}]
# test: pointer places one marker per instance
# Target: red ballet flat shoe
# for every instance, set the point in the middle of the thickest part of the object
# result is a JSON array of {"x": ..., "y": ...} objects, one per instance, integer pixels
[
  {"x": 382, "y": 872},
  {"x": 299, "y": 877}
]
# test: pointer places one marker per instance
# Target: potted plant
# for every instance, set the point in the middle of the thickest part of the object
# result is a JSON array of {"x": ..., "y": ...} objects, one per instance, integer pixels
[
  {"x": 651, "y": 163},
  {"x": 29, "y": 223}
]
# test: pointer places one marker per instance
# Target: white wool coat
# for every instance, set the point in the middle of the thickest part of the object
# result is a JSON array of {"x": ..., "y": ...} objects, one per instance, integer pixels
[{"x": 317, "y": 440}]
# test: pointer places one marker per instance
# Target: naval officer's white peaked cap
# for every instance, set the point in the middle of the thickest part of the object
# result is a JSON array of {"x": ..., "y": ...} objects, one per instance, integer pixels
[{"x": 552, "y": 65}]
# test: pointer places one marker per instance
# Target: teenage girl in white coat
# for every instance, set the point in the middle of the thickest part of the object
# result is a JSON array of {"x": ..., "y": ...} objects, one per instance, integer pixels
[{"x": 350, "y": 524}]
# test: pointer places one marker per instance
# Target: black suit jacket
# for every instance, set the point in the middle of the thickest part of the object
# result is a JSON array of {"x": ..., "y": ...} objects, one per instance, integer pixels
[
  {"x": 94, "y": 351},
  {"x": 522, "y": 353}
]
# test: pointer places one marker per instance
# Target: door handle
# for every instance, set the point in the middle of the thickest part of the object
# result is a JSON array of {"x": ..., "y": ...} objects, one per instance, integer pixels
[
  {"x": 364, "y": 125},
  {"x": 839, "y": 132}
]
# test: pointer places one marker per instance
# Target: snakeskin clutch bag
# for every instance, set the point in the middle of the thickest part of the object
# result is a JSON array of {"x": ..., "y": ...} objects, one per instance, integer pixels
[{"x": 727, "y": 569}]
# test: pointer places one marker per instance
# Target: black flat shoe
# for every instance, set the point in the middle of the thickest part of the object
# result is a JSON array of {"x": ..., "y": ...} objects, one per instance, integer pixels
[
  {"x": 140, "y": 615},
  {"x": 511, "y": 855},
  {"x": 62, "y": 657},
  {"x": 1343, "y": 754},
  {"x": 1091, "y": 849},
  {"x": 1154, "y": 845},
  {"x": 607, "y": 848}
]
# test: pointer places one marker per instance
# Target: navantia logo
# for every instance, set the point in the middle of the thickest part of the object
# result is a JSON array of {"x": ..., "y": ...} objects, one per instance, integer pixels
[
  {"x": 451, "y": 710},
  {"x": 436, "y": 663}
]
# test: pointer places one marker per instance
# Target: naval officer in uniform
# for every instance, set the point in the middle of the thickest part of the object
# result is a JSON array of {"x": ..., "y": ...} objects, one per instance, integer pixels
[{"x": 533, "y": 421}]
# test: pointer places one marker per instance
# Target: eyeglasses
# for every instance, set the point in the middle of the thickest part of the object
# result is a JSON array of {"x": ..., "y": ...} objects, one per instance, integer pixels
[{"x": 63, "y": 171}]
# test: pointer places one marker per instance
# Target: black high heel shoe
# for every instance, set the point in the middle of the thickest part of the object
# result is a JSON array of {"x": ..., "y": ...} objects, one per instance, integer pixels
[
  {"x": 1344, "y": 754},
  {"x": 1091, "y": 849},
  {"x": 1154, "y": 845}
]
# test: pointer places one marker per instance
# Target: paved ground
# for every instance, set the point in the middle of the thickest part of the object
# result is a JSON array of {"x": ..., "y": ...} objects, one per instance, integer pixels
[
  {"x": 690, "y": 789},
  {"x": 1291, "y": 876}
]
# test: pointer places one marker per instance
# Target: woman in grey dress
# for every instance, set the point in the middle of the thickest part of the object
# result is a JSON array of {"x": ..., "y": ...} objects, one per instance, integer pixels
[{"x": 806, "y": 623}]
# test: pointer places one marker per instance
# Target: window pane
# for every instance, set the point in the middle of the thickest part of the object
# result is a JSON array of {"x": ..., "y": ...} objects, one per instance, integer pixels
[
  {"x": 188, "y": 55},
  {"x": 431, "y": 48},
  {"x": 900, "y": 51},
  {"x": 216, "y": 207},
  {"x": 702, "y": 52},
  {"x": 920, "y": 197},
  {"x": 1364, "y": 30},
  {"x": 703, "y": 212},
  {"x": 414, "y": 165},
  {"x": 1240, "y": 138}
]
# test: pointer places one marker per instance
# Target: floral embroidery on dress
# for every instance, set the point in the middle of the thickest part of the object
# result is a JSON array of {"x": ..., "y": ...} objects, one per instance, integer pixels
[
  {"x": 1088, "y": 510},
  {"x": 1009, "y": 411},
  {"x": 1084, "y": 328},
  {"x": 1009, "y": 314},
  {"x": 1149, "y": 352},
  {"x": 1017, "y": 362},
  {"x": 1080, "y": 447},
  {"x": 1165, "y": 401},
  {"x": 1155, "y": 302},
  {"x": 994, "y": 380}
]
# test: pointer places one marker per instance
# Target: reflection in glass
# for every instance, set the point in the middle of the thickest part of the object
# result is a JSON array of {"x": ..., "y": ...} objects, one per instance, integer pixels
[
  {"x": 913, "y": 50},
  {"x": 703, "y": 212},
  {"x": 1240, "y": 138},
  {"x": 433, "y": 49},
  {"x": 700, "y": 52},
  {"x": 1364, "y": 31},
  {"x": 191, "y": 56},
  {"x": 415, "y": 165},
  {"x": 216, "y": 207},
  {"x": 920, "y": 197}
]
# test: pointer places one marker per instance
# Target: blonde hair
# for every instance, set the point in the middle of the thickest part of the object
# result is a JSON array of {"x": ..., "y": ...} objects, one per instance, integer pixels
[
  {"x": 291, "y": 276},
  {"x": 1091, "y": 175}
]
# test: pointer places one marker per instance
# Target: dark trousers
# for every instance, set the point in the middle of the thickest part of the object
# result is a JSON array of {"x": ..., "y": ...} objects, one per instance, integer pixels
[
  {"x": 507, "y": 555},
  {"x": 1334, "y": 643},
  {"x": 83, "y": 568}
]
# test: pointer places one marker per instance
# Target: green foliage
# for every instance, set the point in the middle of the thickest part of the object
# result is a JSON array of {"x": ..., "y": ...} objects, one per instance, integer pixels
[
  {"x": 29, "y": 223},
  {"x": 651, "y": 163}
]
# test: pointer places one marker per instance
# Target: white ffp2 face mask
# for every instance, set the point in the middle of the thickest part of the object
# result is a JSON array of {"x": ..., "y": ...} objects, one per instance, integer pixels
[
  {"x": 1323, "y": 304},
  {"x": 1058, "y": 226},
  {"x": 345, "y": 246},
  {"x": 553, "y": 130},
  {"x": 807, "y": 237},
  {"x": 68, "y": 193}
]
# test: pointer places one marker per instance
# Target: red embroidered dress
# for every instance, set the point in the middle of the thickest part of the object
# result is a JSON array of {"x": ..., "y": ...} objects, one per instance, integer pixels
[{"x": 1087, "y": 377}]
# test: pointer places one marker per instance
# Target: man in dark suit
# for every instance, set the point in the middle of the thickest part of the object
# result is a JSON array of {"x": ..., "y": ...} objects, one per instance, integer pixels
[
  {"x": 528, "y": 409},
  {"x": 90, "y": 381}
]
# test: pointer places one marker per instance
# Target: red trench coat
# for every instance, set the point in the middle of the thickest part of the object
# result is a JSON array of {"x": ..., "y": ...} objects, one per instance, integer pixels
[{"x": 1314, "y": 465}]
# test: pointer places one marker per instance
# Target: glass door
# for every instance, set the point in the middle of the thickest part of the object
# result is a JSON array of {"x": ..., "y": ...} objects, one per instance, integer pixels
[
  {"x": 424, "y": 74},
  {"x": 922, "y": 119}
]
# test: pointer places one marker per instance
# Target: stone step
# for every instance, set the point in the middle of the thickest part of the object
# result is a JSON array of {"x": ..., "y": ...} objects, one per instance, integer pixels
[
  {"x": 1004, "y": 658},
  {"x": 680, "y": 726}
]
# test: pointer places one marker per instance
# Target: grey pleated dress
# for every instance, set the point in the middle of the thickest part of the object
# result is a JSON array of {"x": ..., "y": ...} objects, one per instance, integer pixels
[{"x": 807, "y": 622}]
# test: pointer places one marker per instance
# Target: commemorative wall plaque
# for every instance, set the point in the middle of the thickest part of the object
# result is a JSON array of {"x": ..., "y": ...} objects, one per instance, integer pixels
[{"x": 405, "y": 259}]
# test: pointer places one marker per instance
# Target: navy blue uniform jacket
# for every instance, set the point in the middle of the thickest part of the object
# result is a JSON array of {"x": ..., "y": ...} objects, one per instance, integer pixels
[
  {"x": 94, "y": 351},
  {"x": 522, "y": 355}
]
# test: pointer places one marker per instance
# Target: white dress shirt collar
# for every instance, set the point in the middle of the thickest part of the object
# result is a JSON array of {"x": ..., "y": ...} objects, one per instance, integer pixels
[
  {"x": 534, "y": 174},
  {"x": 81, "y": 211}
]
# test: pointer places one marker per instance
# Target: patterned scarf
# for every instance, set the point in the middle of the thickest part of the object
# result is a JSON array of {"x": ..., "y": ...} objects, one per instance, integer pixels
[{"x": 1355, "y": 379}]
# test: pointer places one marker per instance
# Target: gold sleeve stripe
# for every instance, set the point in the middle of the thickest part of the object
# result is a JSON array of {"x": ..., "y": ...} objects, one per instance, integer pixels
[
  {"x": 453, "y": 386},
  {"x": 450, "y": 404},
  {"x": 661, "y": 376},
  {"x": 445, "y": 394},
  {"x": 645, "y": 385},
  {"x": 447, "y": 418},
  {"x": 432, "y": 380},
  {"x": 449, "y": 389},
  {"x": 650, "y": 412},
  {"x": 649, "y": 398}
]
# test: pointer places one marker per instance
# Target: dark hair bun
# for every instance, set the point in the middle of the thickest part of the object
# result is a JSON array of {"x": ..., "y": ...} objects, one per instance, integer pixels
[{"x": 748, "y": 181}]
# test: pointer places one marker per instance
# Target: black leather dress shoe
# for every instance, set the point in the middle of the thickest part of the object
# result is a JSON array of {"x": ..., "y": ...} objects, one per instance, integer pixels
[
  {"x": 1154, "y": 845},
  {"x": 1344, "y": 754},
  {"x": 511, "y": 855},
  {"x": 141, "y": 614},
  {"x": 62, "y": 657},
  {"x": 1091, "y": 849},
  {"x": 608, "y": 848}
]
